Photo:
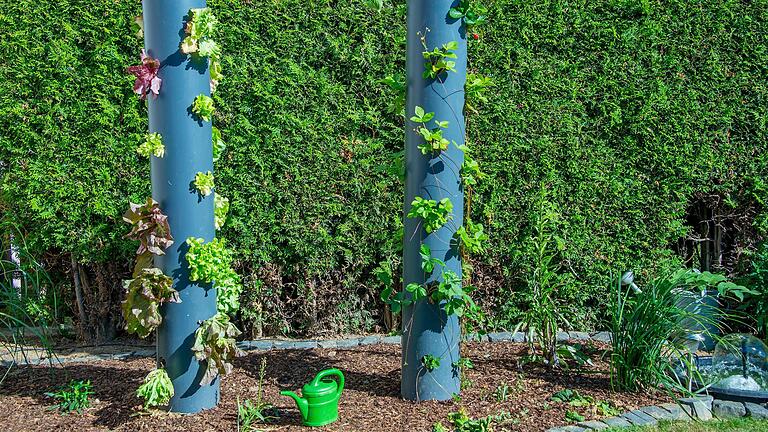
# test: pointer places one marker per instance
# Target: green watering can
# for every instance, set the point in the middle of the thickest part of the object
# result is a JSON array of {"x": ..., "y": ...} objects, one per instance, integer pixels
[{"x": 319, "y": 405}]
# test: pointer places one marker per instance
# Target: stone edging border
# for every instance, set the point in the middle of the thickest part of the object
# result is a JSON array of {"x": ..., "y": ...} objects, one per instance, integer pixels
[
  {"x": 286, "y": 344},
  {"x": 688, "y": 409}
]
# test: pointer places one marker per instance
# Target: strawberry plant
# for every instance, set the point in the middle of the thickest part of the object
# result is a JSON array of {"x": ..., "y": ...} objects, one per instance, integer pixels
[
  {"x": 470, "y": 12},
  {"x": 433, "y": 214},
  {"x": 430, "y": 362},
  {"x": 145, "y": 294},
  {"x": 439, "y": 60},
  {"x": 434, "y": 142},
  {"x": 215, "y": 345}
]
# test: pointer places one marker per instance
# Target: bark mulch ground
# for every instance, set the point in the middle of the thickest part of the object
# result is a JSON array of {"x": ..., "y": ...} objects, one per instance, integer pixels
[{"x": 370, "y": 401}]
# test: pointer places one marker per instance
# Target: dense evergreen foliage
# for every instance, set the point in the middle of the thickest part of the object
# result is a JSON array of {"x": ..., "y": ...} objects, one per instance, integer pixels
[{"x": 622, "y": 114}]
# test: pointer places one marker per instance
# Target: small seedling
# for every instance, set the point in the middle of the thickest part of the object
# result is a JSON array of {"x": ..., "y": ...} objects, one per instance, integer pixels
[
  {"x": 250, "y": 413},
  {"x": 73, "y": 397},
  {"x": 502, "y": 392}
]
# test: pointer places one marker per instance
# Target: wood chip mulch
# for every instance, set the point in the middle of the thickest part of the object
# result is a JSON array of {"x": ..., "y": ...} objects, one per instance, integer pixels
[{"x": 370, "y": 401}]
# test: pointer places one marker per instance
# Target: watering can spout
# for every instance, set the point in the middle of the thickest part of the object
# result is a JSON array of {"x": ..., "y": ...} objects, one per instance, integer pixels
[{"x": 301, "y": 403}]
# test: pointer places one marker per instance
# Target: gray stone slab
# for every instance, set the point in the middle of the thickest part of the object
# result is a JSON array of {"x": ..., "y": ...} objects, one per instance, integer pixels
[
  {"x": 579, "y": 336},
  {"x": 728, "y": 409},
  {"x": 570, "y": 428},
  {"x": 327, "y": 344},
  {"x": 506, "y": 337},
  {"x": 370, "y": 340},
  {"x": 593, "y": 425},
  {"x": 756, "y": 411},
  {"x": 602, "y": 336},
  {"x": 701, "y": 407},
  {"x": 616, "y": 422},
  {"x": 391, "y": 340},
  {"x": 563, "y": 336},
  {"x": 706, "y": 400},
  {"x": 680, "y": 412},
  {"x": 145, "y": 353},
  {"x": 348, "y": 343},
  {"x": 658, "y": 413},
  {"x": 639, "y": 418},
  {"x": 302, "y": 345},
  {"x": 262, "y": 345}
]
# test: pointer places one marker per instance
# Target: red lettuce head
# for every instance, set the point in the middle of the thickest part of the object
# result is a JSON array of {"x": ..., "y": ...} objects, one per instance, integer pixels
[{"x": 147, "y": 80}]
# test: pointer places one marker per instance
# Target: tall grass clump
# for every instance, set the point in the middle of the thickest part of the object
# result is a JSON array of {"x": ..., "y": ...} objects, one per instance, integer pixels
[
  {"x": 28, "y": 308},
  {"x": 656, "y": 330}
]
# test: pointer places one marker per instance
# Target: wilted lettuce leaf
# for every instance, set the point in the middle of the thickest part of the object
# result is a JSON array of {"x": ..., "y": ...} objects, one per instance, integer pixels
[
  {"x": 215, "y": 345},
  {"x": 149, "y": 226},
  {"x": 145, "y": 294}
]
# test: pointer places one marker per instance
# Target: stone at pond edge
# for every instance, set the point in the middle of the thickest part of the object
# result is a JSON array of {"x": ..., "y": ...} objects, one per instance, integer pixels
[
  {"x": 567, "y": 429},
  {"x": 701, "y": 407},
  {"x": 658, "y": 413},
  {"x": 593, "y": 425},
  {"x": 617, "y": 422},
  {"x": 639, "y": 418},
  {"x": 728, "y": 409},
  {"x": 679, "y": 412},
  {"x": 756, "y": 411}
]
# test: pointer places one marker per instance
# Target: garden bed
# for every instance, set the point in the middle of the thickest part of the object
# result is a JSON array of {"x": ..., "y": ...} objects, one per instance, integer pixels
[{"x": 370, "y": 401}]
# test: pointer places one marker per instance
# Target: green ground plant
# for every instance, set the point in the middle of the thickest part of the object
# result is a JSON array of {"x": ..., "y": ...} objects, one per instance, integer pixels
[
  {"x": 252, "y": 413},
  {"x": 72, "y": 398},
  {"x": 651, "y": 328}
]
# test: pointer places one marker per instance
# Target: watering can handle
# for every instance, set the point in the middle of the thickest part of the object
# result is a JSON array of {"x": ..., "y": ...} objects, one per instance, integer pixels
[{"x": 331, "y": 372}]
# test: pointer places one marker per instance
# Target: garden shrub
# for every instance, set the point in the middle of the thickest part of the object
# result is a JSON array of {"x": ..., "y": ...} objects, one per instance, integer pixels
[{"x": 627, "y": 112}]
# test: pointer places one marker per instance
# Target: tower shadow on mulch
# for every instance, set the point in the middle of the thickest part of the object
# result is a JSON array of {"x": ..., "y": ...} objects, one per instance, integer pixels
[{"x": 294, "y": 368}]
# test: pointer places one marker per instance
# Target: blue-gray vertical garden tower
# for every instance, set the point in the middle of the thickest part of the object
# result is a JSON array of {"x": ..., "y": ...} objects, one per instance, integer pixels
[
  {"x": 188, "y": 150},
  {"x": 427, "y": 330}
]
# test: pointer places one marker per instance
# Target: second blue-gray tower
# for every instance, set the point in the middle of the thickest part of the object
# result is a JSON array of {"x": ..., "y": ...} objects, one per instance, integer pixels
[
  {"x": 427, "y": 330},
  {"x": 188, "y": 150}
]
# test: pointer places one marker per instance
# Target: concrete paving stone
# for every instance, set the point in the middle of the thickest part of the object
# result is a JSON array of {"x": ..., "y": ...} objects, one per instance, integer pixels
[
  {"x": 617, "y": 422},
  {"x": 681, "y": 412},
  {"x": 391, "y": 340},
  {"x": 756, "y": 411},
  {"x": 327, "y": 344},
  {"x": 348, "y": 343},
  {"x": 569, "y": 428},
  {"x": 658, "y": 413},
  {"x": 602, "y": 336},
  {"x": 639, "y": 420},
  {"x": 302, "y": 345},
  {"x": 701, "y": 407},
  {"x": 645, "y": 416},
  {"x": 579, "y": 336},
  {"x": 593, "y": 425},
  {"x": 370, "y": 340}
]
